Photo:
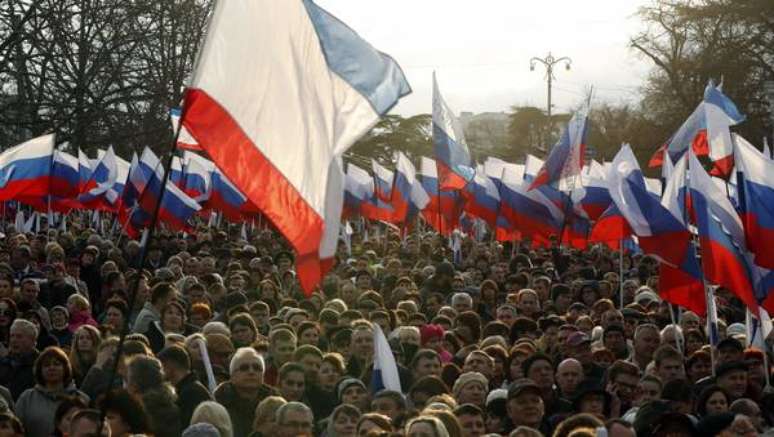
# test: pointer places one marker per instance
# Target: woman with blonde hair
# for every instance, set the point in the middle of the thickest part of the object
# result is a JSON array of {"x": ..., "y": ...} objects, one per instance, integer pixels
[
  {"x": 265, "y": 422},
  {"x": 426, "y": 426},
  {"x": 83, "y": 352},
  {"x": 216, "y": 415}
]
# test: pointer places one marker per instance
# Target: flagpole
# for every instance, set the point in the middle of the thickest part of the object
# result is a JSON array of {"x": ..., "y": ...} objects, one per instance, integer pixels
[{"x": 141, "y": 262}]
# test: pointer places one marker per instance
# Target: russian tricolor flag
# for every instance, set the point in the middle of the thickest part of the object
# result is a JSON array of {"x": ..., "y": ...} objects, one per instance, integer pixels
[
  {"x": 408, "y": 196},
  {"x": 482, "y": 198},
  {"x": 444, "y": 208},
  {"x": 226, "y": 197},
  {"x": 197, "y": 176},
  {"x": 566, "y": 157},
  {"x": 592, "y": 198},
  {"x": 383, "y": 181},
  {"x": 64, "y": 175},
  {"x": 263, "y": 65},
  {"x": 451, "y": 151},
  {"x": 495, "y": 169},
  {"x": 25, "y": 169},
  {"x": 721, "y": 235},
  {"x": 358, "y": 189},
  {"x": 147, "y": 186},
  {"x": 755, "y": 188}
]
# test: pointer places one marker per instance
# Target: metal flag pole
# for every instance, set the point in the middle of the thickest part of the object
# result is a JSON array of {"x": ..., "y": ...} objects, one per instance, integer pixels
[
  {"x": 143, "y": 253},
  {"x": 620, "y": 274}
]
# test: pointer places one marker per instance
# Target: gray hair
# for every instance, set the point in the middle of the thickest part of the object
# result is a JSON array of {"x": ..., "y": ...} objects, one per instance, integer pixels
[
  {"x": 461, "y": 298},
  {"x": 245, "y": 353},
  {"x": 25, "y": 325},
  {"x": 294, "y": 406},
  {"x": 216, "y": 415}
]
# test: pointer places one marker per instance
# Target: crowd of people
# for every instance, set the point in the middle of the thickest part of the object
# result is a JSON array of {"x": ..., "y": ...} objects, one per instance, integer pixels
[{"x": 221, "y": 341}]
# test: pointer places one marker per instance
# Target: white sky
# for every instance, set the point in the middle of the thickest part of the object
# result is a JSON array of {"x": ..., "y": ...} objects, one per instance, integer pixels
[{"x": 481, "y": 49}]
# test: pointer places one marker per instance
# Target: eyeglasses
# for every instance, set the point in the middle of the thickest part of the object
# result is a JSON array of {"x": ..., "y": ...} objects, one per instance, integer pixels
[{"x": 247, "y": 367}]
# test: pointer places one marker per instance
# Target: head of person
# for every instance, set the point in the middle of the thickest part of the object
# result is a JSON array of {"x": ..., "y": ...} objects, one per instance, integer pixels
[
  {"x": 471, "y": 388},
  {"x": 124, "y": 413},
  {"x": 10, "y": 425},
  {"x": 622, "y": 380},
  {"x": 143, "y": 374},
  {"x": 525, "y": 405},
  {"x": 732, "y": 377},
  {"x": 216, "y": 415},
  {"x": 751, "y": 409},
  {"x": 388, "y": 403},
  {"x": 247, "y": 370},
  {"x": 23, "y": 337},
  {"x": 669, "y": 363},
  {"x": 712, "y": 400},
  {"x": 646, "y": 340},
  {"x": 730, "y": 349},
  {"x": 294, "y": 419},
  {"x": 726, "y": 424},
  {"x": 352, "y": 391},
  {"x": 426, "y": 426},
  {"x": 282, "y": 346},
  {"x": 162, "y": 293},
  {"x": 471, "y": 419},
  {"x": 569, "y": 374},
  {"x": 343, "y": 421},
  {"x": 86, "y": 423},
  {"x": 292, "y": 381},
  {"x": 52, "y": 368},
  {"x": 266, "y": 414}
]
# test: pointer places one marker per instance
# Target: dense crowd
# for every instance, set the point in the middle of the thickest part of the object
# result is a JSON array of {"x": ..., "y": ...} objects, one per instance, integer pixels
[{"x": 510, "y": 340}]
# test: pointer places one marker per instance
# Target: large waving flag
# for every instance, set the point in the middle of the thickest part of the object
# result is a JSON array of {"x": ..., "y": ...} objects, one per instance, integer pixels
[
  {"x": 25, "y": 169},
  {"x": 451, "y": 151},
  {"x": 755, "y": 188},
  {"x": 721, "y": 235},
  {"x": 84, "y": 170},
  {"x": 566, "y": 157},
  {"x": 281, "y": 91}
]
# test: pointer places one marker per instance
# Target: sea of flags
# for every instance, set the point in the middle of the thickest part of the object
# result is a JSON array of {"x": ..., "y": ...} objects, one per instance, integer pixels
[{"x": 277, "y": 152}]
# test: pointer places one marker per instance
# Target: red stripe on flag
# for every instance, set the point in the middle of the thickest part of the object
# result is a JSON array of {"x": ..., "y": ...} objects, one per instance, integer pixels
[{"x": 252, "y": 173}]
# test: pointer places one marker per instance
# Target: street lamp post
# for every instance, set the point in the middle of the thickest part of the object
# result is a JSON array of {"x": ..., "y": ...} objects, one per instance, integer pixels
[{"x": 549, "y": 62}]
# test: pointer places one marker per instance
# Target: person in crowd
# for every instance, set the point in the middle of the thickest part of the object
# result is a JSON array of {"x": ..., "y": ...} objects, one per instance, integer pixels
[
  {"x": 245, "y": 389},
  {"x": 37, "y": 406},
  {"x": 177, "y": 369},
  {"x": 214, "y": 414},
  {"x": 17, "y": 371}
]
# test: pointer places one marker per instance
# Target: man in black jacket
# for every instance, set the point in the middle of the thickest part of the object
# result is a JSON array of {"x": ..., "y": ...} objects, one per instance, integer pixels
[{"x": 190, "y": 392}]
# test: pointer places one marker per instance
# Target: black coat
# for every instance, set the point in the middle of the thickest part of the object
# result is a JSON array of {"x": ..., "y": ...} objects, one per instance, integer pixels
[
  {"x": 190, "y": 393},
  {"x": 17, "y": 373},
  {"x": 241, "y": 411}
]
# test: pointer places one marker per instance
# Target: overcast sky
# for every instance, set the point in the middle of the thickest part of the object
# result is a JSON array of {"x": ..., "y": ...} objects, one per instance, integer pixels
[{"x": 481, "y": 49}]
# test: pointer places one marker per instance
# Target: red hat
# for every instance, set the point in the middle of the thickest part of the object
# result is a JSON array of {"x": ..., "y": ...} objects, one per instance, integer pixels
[{"x": 429, "y": 332}]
